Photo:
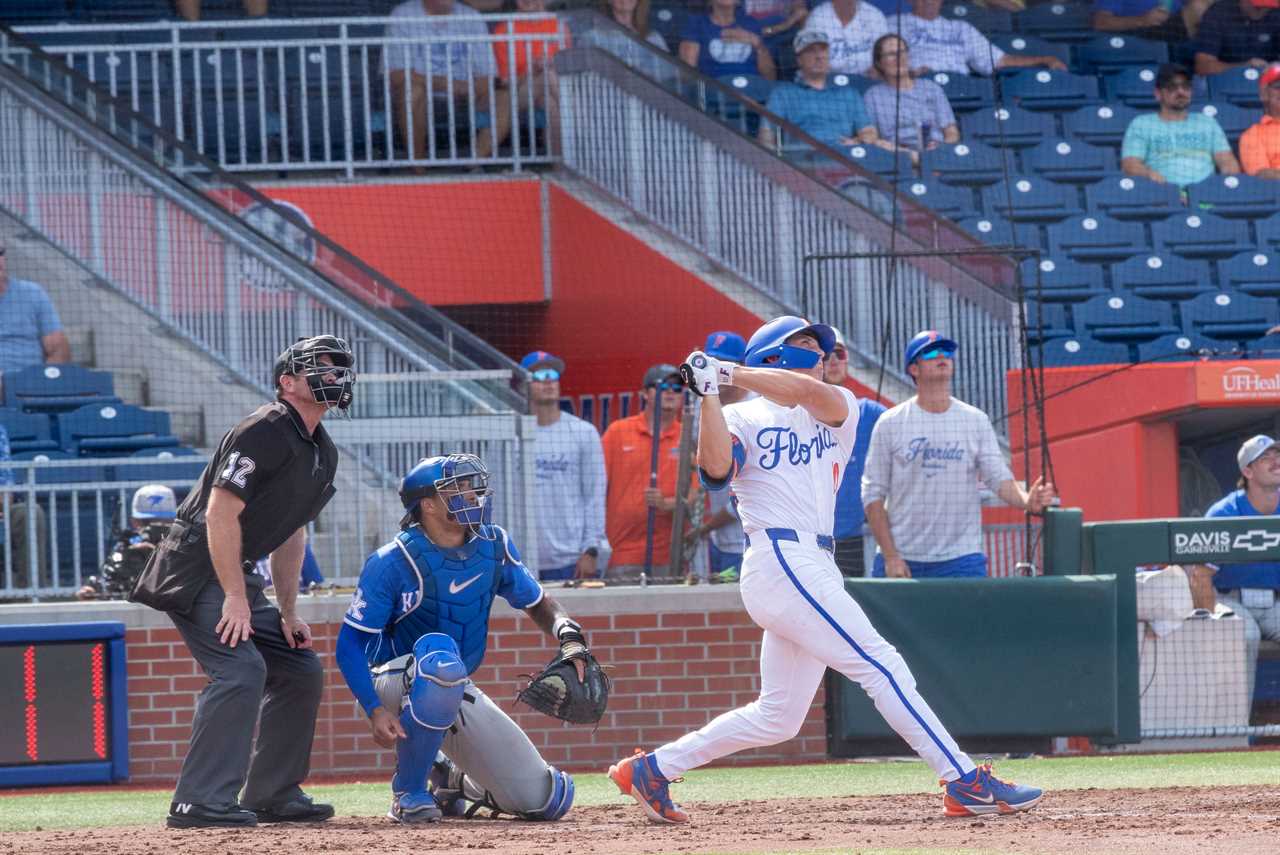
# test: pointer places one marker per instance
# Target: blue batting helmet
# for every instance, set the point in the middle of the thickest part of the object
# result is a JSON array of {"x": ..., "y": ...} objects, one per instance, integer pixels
[
  {"x": 725, "y": 346},
  {"x": 926, "y": 340},
  {"x": 463, "y": 481},
  {"x": 770, "y": 340}
]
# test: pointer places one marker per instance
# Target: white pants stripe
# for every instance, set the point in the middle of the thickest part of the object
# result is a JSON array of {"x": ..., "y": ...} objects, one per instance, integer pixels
[{"x": 796, "y": 594}]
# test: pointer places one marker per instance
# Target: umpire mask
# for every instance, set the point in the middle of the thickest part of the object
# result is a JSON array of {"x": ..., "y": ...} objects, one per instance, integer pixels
[{"x": 331, "y": 385}]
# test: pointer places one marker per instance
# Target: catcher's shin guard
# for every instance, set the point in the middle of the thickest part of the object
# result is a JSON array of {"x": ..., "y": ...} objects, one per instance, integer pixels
[
  {"x": 414, "y": 756},
  {"x": 439, "y": 680},
  {"x": 561, "y": 798}
]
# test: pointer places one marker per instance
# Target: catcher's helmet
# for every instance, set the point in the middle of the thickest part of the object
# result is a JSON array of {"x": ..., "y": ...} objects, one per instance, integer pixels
[
  {"x": 463, "y": 481},
  {"x": 927, "y": 340},
  {"x": 303, "y": 358},
  {"x": 770, "y": 340}
]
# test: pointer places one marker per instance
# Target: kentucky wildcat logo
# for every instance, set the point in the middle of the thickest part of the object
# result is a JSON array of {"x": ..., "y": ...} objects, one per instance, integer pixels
[{"x": 774, "y": 441}]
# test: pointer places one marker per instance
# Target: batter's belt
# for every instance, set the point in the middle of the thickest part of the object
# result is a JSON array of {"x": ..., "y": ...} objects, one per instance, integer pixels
[{"x": 808, "y": 538}]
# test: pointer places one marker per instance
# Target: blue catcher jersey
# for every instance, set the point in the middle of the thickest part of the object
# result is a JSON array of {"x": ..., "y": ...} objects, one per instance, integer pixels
[{"x": 410, "y": 587}]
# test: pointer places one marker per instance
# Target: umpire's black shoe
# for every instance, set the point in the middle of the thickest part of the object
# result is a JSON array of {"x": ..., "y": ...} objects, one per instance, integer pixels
[
  {"x": 184, "y": 815},
  {"x": 301, "y": 809}
]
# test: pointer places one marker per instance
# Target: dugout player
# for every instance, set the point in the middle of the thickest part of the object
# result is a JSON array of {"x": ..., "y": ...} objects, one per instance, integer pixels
[
  {"x": 420, "y": 619},
  {"x": 785, "y": 453},
  {"x": 271, "y": 475}
]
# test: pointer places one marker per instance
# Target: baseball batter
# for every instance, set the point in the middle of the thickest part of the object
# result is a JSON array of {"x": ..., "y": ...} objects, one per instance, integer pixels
[{"x": 784, "y": 454}]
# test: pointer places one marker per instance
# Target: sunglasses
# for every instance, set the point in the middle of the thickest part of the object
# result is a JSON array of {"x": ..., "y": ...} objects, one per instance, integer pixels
[
  {"x": 546, "y": 375},
  {"x": 935, "y": 352},
  {"x": 668, "y": 386},
  {"x": 839, "y": 353}
]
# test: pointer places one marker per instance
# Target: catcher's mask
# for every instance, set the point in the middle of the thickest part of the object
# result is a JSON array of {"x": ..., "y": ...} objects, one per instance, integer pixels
[
  {"x": 461, "y": 481},
  {"x": 330, "y": 385}
]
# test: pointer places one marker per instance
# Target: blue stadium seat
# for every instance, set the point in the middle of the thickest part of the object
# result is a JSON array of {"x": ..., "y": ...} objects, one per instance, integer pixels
[
  {"x": 1059, "y": 91},
  {"x": 1233, "y": 119},
  {"x": 1110, "y": 52},
  {"x": 321, "y": 8},
  {"x": 1255, "y": 273},
  {"x": 1229, "y": 316},
  {"x": 891, "y": 165},
  {"x": 857, "y": 81},
  {"x": 668, "y": 18},
  {"x": 113, "y": 429},
  {"x": 27, "y": 431},
  {"x": 1118, "y": 318},
  {"x": 1178, "y": 347},
  {"x": 1045, "y": 322},
  {"x": 966, "y": 93},
  {"x": 1201, "y": 236},
  {"x": 16, "y": 13},
  {"x": 1132, "y": 197},
  {"x": 1268, "y": 233},
  {"x": 1133, "y": 86},
  {"x": 953, "y": 202},
  {"x": 968, "y": 164},
  {"x": 1060, "y": 280},
  {"x": 752, "y": 86},
  {"x": 122, "y": 11},
  {"x": 1058, "y": 22},
  {"x": 997, "y": 231},
  {"x": 1021, "y": 44},
  {"x": 1007, "y": 127},
  {"x": 1074, "y": 352},
  {"x": 1096, "y": 239},
  {"x": 1070, "y": 161},
  {"x": 1104, "y": 125},
  {"x": 79, "y": 474},
  {"x": 1239, "y": 86},
  {"x": 57, "y": 388},
  {"x": 1267, "y": 347},
  {"x": 1166, "y": 278},
  {"x": 161, "y": 466},
  {"x": 983, "y": 18},
  {"x": 1030, "y": 200},
  {"x": 1236, "y": 196}
]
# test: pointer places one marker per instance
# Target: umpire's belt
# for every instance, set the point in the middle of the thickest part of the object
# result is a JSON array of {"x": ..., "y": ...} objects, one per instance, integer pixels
[{"x": 822, "y": 541}]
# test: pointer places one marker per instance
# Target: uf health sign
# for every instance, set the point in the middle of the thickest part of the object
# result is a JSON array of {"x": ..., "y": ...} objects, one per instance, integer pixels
[
  {"x": 1225, "y": 539},
  {"x": 1256, "y": 381}
]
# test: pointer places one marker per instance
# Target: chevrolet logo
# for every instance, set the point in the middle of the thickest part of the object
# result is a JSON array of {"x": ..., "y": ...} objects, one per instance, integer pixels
[{"x": 1256, "y": 540}]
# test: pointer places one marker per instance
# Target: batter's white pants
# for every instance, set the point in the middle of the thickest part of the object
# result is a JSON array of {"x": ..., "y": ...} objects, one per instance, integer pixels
[{"x": 795, "y": 592}]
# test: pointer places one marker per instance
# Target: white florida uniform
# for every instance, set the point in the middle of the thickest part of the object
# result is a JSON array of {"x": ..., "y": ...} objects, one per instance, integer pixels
[{"x": 787, "y": 470}]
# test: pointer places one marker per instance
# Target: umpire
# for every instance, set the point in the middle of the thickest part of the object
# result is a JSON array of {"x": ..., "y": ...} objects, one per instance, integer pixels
[{"x": 271, "y": 475}]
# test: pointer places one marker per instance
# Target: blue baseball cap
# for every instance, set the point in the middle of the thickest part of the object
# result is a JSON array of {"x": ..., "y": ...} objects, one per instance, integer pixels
[
  {"x": 539, "y": 358},
  {"x": 725, "y": 345},
  {"x": 927, "y": 340}
]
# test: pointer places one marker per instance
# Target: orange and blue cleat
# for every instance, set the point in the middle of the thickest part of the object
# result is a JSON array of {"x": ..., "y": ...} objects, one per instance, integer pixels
[
  {"x": 987, "y": 794},
  {"x": 638, "y": 777}
]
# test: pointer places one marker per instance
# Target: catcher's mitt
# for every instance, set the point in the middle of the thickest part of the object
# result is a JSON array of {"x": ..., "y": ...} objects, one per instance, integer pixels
[{"x": 559, "y": 693}]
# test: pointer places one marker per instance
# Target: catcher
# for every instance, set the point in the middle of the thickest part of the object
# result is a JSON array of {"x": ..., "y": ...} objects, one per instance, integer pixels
[{"x": 417, "y": 629}]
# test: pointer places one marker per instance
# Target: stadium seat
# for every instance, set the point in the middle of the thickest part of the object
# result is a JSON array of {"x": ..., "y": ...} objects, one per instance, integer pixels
[
  {"x": 997, "y": 231},
  {"x": 966, "y": 93},
  {"x": 1133, "y": 197},
  {"x": 1267, "y": 347},
  {"x": 668, "y": 18},
  {"x": 1060, "y": 280},
  {"x": 1233, "y": 119},
  {"x": 1041, "y": 89},
  {"x": 1030, "y": 200},
  {"x": 1096, "y": 239},
  {"x": 857, "y": 81},
  {"x": 1110, "y": 52},
  {"x": 1177, "y": 347},
  {"x": 1238, "y": 86},
  {"x": 891, "y": 165},
  {"x": 953, "y": 202},
  {"x": 16, "y": 13},
  {"x": 1118, "y": 318},
  {"x": 1058, "y": 22},
  {"x": 751, "y": 86},
  {"x": 1255, "y": 273},
  {"x": 1104, "y": 125},
  {"x": 1073, "y": 352},
  {"x": 122, "y": 11},
  {"x": 1167, "y": 278},
  {"x": 1007, "y": 127},
  {"x": 1021, "y": 44},
  {"x": 1133, "y": 86},
  {"x": 983, "y": 18},
  {"x": 27, "y": 431},
  {"x": 1070, "y": 161},
  {"x": 1201, "y": 236},
  {"x": 113, "y": 429},
  {"x": 967, "y": 164},
  {"x": 1236, "y": 196},
  {"x": 1268, "y": 233},
  {"x": 1045, "y": 322},
  {"x": 1229, "y": 316},
  {"x": 161, "y": 466},
  {"x": 57, "y": 388}
]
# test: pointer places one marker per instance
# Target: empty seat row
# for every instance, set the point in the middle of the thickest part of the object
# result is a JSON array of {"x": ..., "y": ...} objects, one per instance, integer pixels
[
  {"x": 172, "y": 465},
  {"x": 93, "y": 430},
  {"x": 1058, "y": 279},
  {"x": 1222, "y": 316}
]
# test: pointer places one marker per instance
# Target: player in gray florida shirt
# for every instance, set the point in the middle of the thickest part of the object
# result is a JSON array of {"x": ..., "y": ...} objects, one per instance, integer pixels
[
  {"x": 926, "y": 467},
  {"x": 570, "y": 490}
]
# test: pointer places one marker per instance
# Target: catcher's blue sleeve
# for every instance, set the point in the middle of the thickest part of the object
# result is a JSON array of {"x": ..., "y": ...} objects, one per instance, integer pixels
[
  {"x": 353, "y": 661},
  {"x": 518, "y": 586}
]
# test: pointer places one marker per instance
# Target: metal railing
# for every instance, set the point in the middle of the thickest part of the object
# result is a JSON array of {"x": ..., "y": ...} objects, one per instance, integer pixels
[{"x": 295, "y": 94}]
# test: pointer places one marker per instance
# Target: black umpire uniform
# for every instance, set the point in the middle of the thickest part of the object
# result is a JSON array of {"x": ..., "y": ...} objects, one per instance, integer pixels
[{"x": 284, "y": 474}]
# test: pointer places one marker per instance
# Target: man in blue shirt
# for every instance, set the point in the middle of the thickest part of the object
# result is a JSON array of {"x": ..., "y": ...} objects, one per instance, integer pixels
[
  {"x": 833, "y": 115},
  {"x": 14, "y": 529},
  {"x": 1250, "y": 590},
  {"x": 1176, "y": 145},
  {"x": 30, "y": 331},
  {"x": 1165, "y": 20}
]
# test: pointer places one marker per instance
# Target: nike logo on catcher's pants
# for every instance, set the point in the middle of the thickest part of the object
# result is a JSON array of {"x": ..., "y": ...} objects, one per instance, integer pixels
[{"x": 454, "y": 587}]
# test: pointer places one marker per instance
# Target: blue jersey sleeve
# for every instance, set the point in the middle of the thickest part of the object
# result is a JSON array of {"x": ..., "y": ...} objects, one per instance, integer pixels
[
  {"x": 374, "y": 600},
  {"x": 518, "y": 586},
  {"x": 353, "y": 660},
  {"x": 739, "y": 460}
]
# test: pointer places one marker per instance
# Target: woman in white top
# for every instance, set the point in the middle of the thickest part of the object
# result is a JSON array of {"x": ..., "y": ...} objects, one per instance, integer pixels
[{"x": 909, "y": 113}]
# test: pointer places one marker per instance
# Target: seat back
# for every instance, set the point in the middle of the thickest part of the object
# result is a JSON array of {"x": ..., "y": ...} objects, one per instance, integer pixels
[
  {"x": 1061, "y": 280},
  {"x": 969, "y": 164},
  {"x": 1096, "y": 239},
  {"x": 953, "y": 202},
  {"x": 1007, "y": 127},
  {"x": 1070, "y": 161},
  {"x": 1043, "y": 89},
  {"x": 113, "y": 427},
  {"x": 1058, "y": 22},
  {"x": 966, "y": 93},
  {"x": 1178, "y": 347},
  {"x": 1201, "y": 236},
  {"x": 1100, "y": 125},
  {"x": 1027, "y": 199},
  {"x": 1024, "y": 44},
  {"x": 1256, "y": 273},
  {"x": 1166, "y": 277},
  {"x": 1131, "y": 197},
  {"x": 56, "y": 388},
  {"x": 1124, "y": 319},
  {"x": 1238, "y": 86},
  {"x": 1113, "y": 51},
  {"x": 27, "y": 431},
  {"x": 1229, "y": 315},
  {"x": 1236, "y": 196},
  {"x": 1079, "y": 351}
]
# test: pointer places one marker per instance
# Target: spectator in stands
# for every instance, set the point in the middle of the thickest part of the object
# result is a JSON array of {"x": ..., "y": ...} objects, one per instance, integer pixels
[
  {"x": 153, "y": 507},
  {"x": 726, "y": 41},
  {"x": 834, "y": 115},
  {"x": 1260, "y": 144},
  {"x": 1176, "y": 145},
  {"x": 956, "y": 47},
  {"x": 1235, "y": 33},
  {"x": 1163, "y": 20},
  {"x": 849, "y": 514},
  {"x": 721, "y": 524},
  {"x": 777, "y": 17},
  {"x": 851, "y": 28},
  {"x": 534, "y": 76},
  {"x": 30, "y": 331},
  {"x": 569, "y": 485},
  {"x": 190, "y": 9},
  {"x": 14, "y": 528},
  {"x": 634, "y": 16},
  {"x": 627, "y": 447},
  {"x": 1250, "y": 590},
  {"x": 461, "y": 71},
  {"x": 920, "y": 485},
  {"x": 909, "y": 113}
]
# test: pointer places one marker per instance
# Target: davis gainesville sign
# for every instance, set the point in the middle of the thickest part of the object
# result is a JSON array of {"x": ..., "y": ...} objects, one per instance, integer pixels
[
  {"x": 1234, "y": 539},
  {"x": 1255, "y": 382}
]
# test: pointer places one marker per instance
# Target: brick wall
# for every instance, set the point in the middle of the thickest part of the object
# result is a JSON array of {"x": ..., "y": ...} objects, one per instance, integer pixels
[{"x": 678, "y": 657}]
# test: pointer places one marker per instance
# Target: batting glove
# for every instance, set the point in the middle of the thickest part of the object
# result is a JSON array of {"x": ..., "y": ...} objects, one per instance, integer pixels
[{"x": 704, "y": 374}]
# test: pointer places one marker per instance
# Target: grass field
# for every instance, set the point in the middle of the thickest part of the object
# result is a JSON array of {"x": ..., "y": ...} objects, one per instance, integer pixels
[{"x": 105, "y": 806}]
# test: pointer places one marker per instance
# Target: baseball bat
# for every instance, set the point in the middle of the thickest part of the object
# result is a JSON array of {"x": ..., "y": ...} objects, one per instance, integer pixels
[{"x": 655, "y": 425}]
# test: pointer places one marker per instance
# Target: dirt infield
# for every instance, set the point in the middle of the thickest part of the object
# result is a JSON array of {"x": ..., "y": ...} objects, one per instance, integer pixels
[{"x": 1235, "y": 820}]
